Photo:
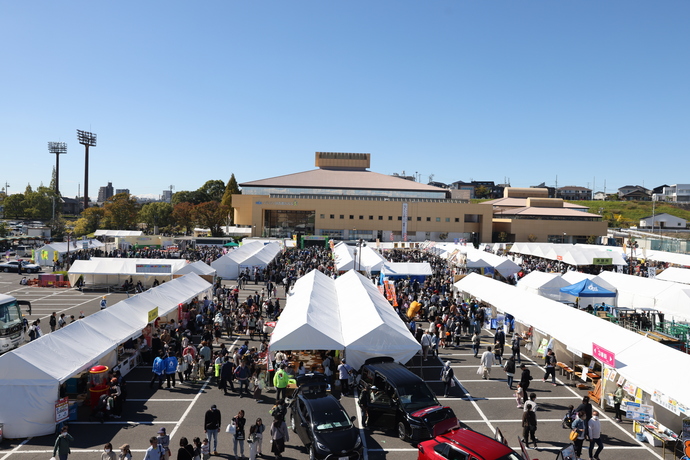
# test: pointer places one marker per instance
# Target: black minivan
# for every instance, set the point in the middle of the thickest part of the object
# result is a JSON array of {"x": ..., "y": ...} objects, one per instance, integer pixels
[{"x": 391, "y": 395}]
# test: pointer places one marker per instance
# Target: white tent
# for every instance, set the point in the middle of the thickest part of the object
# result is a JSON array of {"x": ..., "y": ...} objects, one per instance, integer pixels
[
  {"x": 675, "y": 274},
  {"x": 348, "y": 258},
  {"x": 118, "y": 233},
  {"x": 200, "y": 268},
  {"x": 45, "y": 255},
  {"x": 249, "y": 255},
  {"x": 114, "y": 270},
  {"x": 396, "y": 270},
  {"x": 348, "y": 313},
  {"x": 545, "y": 284},
  {"x": 31, "y": 374},
  {"x": 638, "y": 358}
]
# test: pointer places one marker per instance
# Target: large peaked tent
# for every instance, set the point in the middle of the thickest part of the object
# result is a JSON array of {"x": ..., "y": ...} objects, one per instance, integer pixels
[
  {"x": 544, "y": 284},
  {"x": 347, "y": 258},
  {"x": 253, "y": 254}
]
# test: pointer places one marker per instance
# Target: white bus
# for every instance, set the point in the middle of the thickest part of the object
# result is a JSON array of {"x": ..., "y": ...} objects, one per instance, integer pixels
[{"x": 13, "y": 328}]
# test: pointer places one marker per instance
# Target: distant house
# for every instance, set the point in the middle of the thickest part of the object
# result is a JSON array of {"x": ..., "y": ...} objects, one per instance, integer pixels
[
  {"x": 574, "y": 192},
  {"x": 677, "y": 193},
  {"x": 599, "y": 196},
  {"x": 72, "y": 206},
  {"x": 662, "y": 220},
  {"x": 634, "y": 193}
]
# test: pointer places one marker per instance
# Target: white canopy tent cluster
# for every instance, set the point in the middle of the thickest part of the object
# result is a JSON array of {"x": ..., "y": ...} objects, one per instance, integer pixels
[
  {"x": 250, "y": 255},
  {"x": 570, "y": 254},
  {"x": 360, "y": 258}
]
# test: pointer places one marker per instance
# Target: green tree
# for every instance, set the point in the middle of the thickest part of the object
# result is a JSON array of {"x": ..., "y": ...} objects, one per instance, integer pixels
[
  {"x": 121, "y": 212},
  {"x": 39, "y": 204},
  {"x": 212, "y": 215},
  {"x": 14, "y": 206},
  {"x": 3, "y": 229},
  {"x": 91, "y": 220},
  {"x": 231, "y": 189},
  {"x": 157, "y": 214},
  {"x": 183, "y": 216},
  {"x": 195, "y": 197},
  {"x": 213, "y": 189},
  {"x": 482, "y": 192}
]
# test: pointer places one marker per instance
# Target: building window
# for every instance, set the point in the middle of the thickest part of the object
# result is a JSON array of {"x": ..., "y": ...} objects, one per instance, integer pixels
[
  {"x": 409, "y": 218},
  {"x": 457, "y": 219},
  {"x": 428, "y": 219},
  {"x": 361, "y": 217},
  {"x": 419, "y": 219},
  {"x": 323, "y": 216},
  {"x": 438, "y": 219},
  {"x": 332, "y": 216},
  {"x": 342, "y": 216},
  {"x": 447, "y": 219},
  {"x": 399, "y": 217},
  {"x": 371, "y": 217},
  {"x": 390, "y": 217},
  {"x": 351, "y": 217},
  {"x": 380, "y": 217}
]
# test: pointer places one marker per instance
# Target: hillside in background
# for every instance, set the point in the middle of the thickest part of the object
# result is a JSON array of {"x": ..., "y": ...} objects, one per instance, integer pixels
[{"x": 628, "y": 213}]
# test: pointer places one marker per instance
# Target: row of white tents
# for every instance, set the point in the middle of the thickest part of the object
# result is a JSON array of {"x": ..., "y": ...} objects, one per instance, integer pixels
[
  {"x": 48, "y": 253},
  {"x": 348, "y": 313},
  {"x": 468, "y": 257},
  {"x": 570, "y": 254},
  {"x": 113, "y": 271},
  {"x": 255, "y": 254},
  {"x": 650, "y": 365},
  {"x": 32, "y": 374},
  {"x": 361, "y": 258}
]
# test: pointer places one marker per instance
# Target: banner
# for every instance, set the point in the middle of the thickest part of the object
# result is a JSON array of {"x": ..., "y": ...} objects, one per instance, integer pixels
[
  {"x": 61, "y": 410},
  {"x": 404, "y": 221}
]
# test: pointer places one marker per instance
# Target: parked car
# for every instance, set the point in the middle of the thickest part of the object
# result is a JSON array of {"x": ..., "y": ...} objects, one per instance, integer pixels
[
  {"x": 321, "y": 422},
  {"x": 13, "y": 266},
  {"x": 463, "y": 443},
  {"x": 393, "y": 396}
]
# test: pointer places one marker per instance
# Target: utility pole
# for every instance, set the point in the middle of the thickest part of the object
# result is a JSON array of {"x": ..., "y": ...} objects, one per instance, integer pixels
[{"x": 86, "y": 139}]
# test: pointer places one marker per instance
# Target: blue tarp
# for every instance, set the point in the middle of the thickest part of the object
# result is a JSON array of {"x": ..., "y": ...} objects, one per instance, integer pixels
[{"x": 586, "y": 288}]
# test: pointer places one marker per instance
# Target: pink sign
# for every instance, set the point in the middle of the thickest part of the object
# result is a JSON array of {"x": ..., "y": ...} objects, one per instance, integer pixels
[{"x": 603, "y": 355}]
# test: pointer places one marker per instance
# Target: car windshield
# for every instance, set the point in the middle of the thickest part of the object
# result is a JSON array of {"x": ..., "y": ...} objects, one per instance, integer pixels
[
  {"x": 335, "y": 419},
  {"x": 10, "y": 315},
  {"x": 415, "y": 397}
]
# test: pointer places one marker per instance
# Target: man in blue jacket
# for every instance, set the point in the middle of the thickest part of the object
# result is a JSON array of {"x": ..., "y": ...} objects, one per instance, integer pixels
[
  {"x": 170, "y": 369},
  {"x": 158, "y": 369}
]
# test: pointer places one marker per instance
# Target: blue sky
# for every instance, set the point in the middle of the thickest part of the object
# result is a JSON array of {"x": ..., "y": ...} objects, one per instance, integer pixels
[{"x": 181, "y": 92}]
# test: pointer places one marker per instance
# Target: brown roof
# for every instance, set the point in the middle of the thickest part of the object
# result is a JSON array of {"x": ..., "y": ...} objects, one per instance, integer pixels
[
  {"x": 521, "y": 202},
  {"x": 343, "y": 179},
  {"x": 534, "y": 211}
]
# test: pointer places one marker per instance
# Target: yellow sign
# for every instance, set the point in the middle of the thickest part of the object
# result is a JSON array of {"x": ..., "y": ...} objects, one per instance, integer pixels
[
  {"x": 602, "y": 261},
  {"x": 153, "y": 314}
]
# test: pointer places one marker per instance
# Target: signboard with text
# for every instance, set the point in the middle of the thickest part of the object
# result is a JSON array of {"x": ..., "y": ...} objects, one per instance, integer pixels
[
  {"x": 602, "y": 261},
  {"x": 153, "y": 314},
  {"x": 61, "y": 410},
  {"x": 602, "y": 354}
]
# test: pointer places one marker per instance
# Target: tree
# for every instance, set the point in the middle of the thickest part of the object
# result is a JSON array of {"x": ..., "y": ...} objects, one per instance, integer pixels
[
  {"x": 39, "y": 204},
  {"x": 482, "y": 192},
  {"x": 156, "y": 214},
  {"x": 195, "y": 197},
  {"x": 121, "y": 212},
  {"x": 213, "y": 215},
  {"x": 183, "y": 216},
  {"x": 14, "y": 206},
  {"x": 231, "y": 189},
  {"x": 91, "y": 220},
  {"x": 213, "y": 189}
]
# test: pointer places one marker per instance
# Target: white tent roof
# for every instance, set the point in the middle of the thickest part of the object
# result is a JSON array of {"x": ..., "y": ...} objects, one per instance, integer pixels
[
  {"x": 670, "y": 257},
  {"x": 368, "y": 260},
  {"x": 198, "y": 267},
  {"x": 638, "y": 359},
  {"x": 406, "y": 269},
  {"x": 573, "y": 277},
  {"x": 34, "y": 371},
  {"x": 253, "y": 254},
  {"x": 109, "y": 270},
  {"x": 675, "y": 274},
  {"x": 348, "y": 313},
  {"x": 544, "y": 284},
  {"x": 118, "y": 233},
  {"x": 61, "y": 248},
  {"x": 568, "y": 253}
]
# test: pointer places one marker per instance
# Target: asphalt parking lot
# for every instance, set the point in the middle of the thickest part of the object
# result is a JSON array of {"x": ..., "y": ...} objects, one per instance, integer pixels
[{"x": 483, "y": 405}]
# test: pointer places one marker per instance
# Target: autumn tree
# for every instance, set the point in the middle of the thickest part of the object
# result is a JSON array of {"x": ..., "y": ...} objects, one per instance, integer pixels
[
  {"x": 183, "y": 216},
  {"x": 212, "y": 215},
  {"x": 156, "y": 214},
  {"x": 91, "y": 219},
  {"x": 121, "y": 212}
]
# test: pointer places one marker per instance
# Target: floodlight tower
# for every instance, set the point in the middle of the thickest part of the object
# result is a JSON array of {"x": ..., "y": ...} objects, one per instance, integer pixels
[
  {"x": 86, "y": 139},
  {"x": 57, "y": 148}
]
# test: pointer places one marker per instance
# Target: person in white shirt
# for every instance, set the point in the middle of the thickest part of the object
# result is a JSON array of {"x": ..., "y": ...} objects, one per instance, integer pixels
[{"x": 595, "y": 435}]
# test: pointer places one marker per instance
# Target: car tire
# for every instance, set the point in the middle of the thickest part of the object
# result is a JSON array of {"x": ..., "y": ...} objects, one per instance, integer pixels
[
  {"x": 292, "y": 423},
  {"x": 312, "y": 452},
  {"x": 6, "y": 270},
  {"x": 402, "y": 431}
]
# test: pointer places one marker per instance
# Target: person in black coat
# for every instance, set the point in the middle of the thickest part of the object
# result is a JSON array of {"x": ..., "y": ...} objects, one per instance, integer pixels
[{"x": 227, "y": 371}]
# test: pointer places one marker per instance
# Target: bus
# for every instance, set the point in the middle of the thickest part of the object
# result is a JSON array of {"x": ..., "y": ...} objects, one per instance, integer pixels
[{"x": 13, "y": 326}]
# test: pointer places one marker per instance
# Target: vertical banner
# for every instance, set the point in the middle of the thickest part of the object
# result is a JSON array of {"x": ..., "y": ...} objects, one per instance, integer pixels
[{"x": 404, "y": 221}]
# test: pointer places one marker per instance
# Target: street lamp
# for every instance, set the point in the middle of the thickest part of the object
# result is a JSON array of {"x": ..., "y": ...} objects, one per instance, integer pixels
[
  {"x": 86, "y": 139},
  {"x": 57, "y": 149}
]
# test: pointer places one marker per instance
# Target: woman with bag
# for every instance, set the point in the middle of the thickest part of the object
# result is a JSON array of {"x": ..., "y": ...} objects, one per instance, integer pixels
[
  {"x": 279, "y": 436},
  {"x": 578, "y": 433},
  {"x": 529, "y": 426},
  {"x": 510, "y": 371},
  {"x": 256, "y": 435},
  {"x": 186, "y": 451},
  {"x": 238, "y": 438}
]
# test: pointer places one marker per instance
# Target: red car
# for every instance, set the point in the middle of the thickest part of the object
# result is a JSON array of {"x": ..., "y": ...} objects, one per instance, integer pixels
[{"x": 464, "y": 444}]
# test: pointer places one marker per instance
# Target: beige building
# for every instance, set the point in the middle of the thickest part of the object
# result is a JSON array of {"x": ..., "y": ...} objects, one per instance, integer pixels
[{"x": 342, "y": 199}]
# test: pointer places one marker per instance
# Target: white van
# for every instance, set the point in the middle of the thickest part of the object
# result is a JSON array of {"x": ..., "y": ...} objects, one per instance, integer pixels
[{"x": 23, "y": 251}]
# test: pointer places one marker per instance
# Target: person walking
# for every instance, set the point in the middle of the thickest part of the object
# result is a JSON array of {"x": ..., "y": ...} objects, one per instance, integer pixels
[
  {"x": 125, "y": 452},
  {"x": 154, "y": 452},
  {"x": 108, "y": 453},
  {"x": 185, "y": 451},
  {"x": 164, "y": 443},
  {"x": 476, "y": 341},
  {"x": 158, "y": 369},
  {"x": 510, "y": 371},
  {"x": 104, "y": 303},
  {"x": 586, "y": 408},
  {"x": 447, "y": 376},
  {"x": 279, "y": 436},
  {"x": 212, "y": 421},
  {"x": 485, "y": 363},
  {"x": 550, "y": 366},
  {"x": 426, "y": 345},
  {"x": 595, "y": 436},
  {"x": 53, "y": 321},
  {"x": 515, "y": 347},
  {"x": 280, "y": 381},
  {"x": 238, "y": 421},
  {"x": 62, "y": 444},
  {"x": 529, "y": 424},
  {"x": 344, "y": 371},
  {"x": 579, "y": 426},
  {"x": 256, "y": 436},
  {"x": 525, "y": 379}
]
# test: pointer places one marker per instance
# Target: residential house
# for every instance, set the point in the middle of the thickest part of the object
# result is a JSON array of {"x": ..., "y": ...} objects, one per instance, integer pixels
[
  {"x": 574, "y": 192},
  {"x": 662, "y": 220}
]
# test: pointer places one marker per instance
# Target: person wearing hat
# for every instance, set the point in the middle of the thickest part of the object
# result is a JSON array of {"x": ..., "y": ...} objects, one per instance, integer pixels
[
  {"x": 104, "y": 303},
  {"x": 125, "y": 452},
  {"x": 447, "y": 375},
  {"x": 280, "y": 381},
  {"x": 212, "y": 421},
  {"x": 164, "y": 443}
]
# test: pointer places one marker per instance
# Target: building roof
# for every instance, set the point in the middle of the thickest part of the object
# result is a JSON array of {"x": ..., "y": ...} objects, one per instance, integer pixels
[
  {"x": 574, "y": 187},
  {"x": 534, "y": 211},
  {"x": 521, "y": 202},
  {"x": 343, "y": 179}
]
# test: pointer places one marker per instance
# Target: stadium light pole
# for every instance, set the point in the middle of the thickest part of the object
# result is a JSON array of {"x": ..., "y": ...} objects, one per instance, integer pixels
[
  {"x": 86, "y": 139},
  {"x": 57, "y": 149}
]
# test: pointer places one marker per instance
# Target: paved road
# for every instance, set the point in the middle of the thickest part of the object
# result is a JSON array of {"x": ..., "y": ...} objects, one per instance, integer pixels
[{"x": 482, "y": 405}]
